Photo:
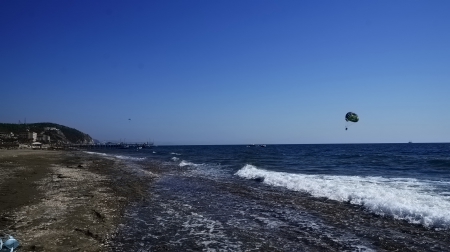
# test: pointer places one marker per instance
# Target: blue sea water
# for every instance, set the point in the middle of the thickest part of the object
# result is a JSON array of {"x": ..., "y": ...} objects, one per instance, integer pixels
[{"x": 335, "y": 197}]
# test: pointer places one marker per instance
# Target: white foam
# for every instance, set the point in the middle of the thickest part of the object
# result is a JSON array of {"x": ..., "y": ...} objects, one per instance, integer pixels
[
  {"x": 96, "y": 153},
  {"x": 209, "y": 233},
  {"x": 211, "y": 171},
  {"x": 186, "y": 163},
  {"x": 403, "y": 198},
  {"x": 130, "y": 158},
  {"x": 175, "y": 159}
]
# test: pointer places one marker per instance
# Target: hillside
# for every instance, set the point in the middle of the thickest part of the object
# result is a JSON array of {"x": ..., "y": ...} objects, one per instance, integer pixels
[{"x": 58, "y": 133}]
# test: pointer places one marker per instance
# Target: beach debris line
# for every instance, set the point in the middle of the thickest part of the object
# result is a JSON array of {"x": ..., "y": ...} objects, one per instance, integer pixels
[{"x": 11, "y": 243}]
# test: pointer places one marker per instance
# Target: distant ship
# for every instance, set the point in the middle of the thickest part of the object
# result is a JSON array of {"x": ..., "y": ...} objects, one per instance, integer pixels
[
  {"x": 409, "y": 142},
  {"x": 260, "y": 145}
]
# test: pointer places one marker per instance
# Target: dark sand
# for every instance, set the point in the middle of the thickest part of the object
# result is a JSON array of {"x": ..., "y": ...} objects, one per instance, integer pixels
[{"x": 64, "y": 200}]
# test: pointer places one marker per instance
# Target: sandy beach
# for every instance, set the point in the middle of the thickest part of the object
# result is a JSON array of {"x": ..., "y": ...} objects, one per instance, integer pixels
[{"x": 63, "y": 200}]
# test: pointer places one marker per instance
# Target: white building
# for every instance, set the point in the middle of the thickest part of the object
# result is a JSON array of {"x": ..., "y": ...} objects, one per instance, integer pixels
[
  {"x": 43, "y": 138},
  {"x": 29, "y": 135},
  {"x": 32, "y": 135}
]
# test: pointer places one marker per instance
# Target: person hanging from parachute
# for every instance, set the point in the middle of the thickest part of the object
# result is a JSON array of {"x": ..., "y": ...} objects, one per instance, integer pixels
[{"x": 350, "y": 118}]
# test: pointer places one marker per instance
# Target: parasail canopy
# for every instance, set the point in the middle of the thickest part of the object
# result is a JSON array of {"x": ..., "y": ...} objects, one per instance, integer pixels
[{"x": 351, "y": 117}]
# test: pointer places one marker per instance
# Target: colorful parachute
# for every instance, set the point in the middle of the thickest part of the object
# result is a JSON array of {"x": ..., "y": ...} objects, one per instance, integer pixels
[{"x": 350, "y": 118}]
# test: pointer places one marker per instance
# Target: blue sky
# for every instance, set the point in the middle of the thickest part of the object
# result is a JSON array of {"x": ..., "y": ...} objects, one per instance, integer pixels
[{"x": 229, "y": 72}]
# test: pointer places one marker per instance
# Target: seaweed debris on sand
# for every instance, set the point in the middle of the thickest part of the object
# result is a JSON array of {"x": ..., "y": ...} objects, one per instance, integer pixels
[{"x": 63, "y": 200}]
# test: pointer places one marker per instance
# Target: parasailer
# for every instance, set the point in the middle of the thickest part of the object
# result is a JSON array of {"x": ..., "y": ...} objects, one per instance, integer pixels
[{"x": 350, "y": 118}]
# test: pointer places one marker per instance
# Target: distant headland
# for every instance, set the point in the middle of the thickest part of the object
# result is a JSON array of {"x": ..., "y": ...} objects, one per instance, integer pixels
[{"x": 52, "y": 134}]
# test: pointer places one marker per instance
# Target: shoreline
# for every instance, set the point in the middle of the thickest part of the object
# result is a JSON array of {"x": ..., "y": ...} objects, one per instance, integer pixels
[{"x": 64, "y": 200}]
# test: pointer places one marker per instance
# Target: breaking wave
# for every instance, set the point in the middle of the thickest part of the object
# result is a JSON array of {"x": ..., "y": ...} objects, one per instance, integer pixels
[{"x": 417, "y": 201}]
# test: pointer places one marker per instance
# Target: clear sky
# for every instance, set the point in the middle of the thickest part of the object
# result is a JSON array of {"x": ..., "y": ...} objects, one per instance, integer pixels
[{"x": 229, "y": 71}]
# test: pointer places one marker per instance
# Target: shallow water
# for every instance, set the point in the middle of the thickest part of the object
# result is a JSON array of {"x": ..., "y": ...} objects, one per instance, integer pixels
[{"x": 370, "y": 197}]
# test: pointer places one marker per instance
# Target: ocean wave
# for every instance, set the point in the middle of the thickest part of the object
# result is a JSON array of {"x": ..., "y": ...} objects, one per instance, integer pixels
[
  {"x": 402, "y": 198},
  {"x": 440, "y": 163},
  {"x": 116, "y": 156}
]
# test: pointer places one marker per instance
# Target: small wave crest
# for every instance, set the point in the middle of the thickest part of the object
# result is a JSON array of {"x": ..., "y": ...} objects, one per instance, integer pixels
[
  {"x": 130, "y": 158},
  {"x": 186, "y": 163},
  {"x": 402, "y": 198},
  {"x": 96, "y": 153}
]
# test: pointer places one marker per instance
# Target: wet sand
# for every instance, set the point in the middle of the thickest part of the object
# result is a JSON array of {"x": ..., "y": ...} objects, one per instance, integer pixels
[{"x": 64, "y": 200}]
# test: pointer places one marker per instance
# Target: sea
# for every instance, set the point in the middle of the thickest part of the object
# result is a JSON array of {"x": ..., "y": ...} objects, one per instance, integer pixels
[{"x": 306, "y": 197}]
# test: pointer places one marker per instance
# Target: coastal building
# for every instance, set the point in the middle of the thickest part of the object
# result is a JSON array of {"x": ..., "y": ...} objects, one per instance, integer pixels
[
  {"x": 32, "y": 136},
  {"x": 43, "y": 138},
  {"x": 28, "y": 135}
]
